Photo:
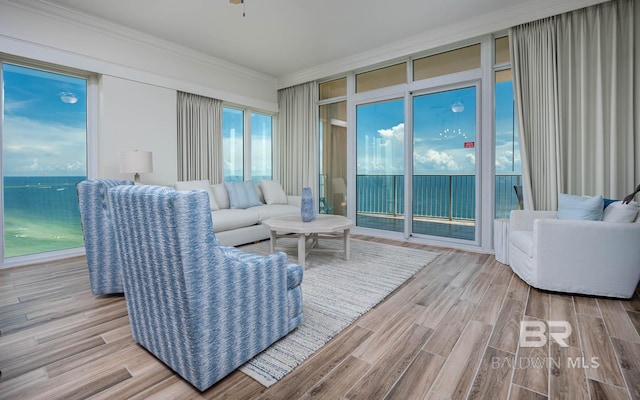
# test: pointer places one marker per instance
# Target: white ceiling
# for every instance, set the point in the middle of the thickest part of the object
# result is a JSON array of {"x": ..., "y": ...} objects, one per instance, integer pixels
[{"x": 283, "y": 37}]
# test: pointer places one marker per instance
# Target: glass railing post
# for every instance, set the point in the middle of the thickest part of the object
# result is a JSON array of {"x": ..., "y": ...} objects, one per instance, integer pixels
[
  {"x": 395, "y": 196},
  {"x": 450, "y": 197}
]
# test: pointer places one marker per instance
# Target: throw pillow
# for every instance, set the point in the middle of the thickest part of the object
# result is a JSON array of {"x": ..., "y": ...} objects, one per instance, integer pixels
[
  {"x": 580, "y": 207},
  {"x": 242, "y": 194},
  {"x": 618, "y": 212},
  {"x": 273, "y": 192},
  {"x": 199, "y": 185},
  {"x": 221, "y": 195}
]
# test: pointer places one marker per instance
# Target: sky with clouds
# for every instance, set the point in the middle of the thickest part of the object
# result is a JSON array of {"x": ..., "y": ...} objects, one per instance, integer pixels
[
  {"x": 42, "y": 134},
  {"x": 232, "y": 144},
  {"x": 444, "y": 133}
]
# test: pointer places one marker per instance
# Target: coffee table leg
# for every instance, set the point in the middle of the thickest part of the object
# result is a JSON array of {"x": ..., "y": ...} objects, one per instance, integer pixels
[
  {"x": 302, "y": 239},
  {"x": 347, "y": 244},
  {"x": 272, "y": 242}
]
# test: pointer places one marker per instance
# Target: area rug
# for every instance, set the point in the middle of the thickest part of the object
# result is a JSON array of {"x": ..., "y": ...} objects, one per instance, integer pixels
[{"x": 335, "y": 293}]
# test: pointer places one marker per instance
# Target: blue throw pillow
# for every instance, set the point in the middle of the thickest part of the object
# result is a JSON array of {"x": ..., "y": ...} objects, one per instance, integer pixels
[
  {"x": 580, "y": 207},
  {"x": 608, "y": 201},
  {"x": 242, "y": 194}
]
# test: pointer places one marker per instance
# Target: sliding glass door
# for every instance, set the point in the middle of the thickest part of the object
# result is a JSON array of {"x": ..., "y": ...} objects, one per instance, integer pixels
[
  {"x": 380, "y": 165},
  {"x": 444, "y": 163}
]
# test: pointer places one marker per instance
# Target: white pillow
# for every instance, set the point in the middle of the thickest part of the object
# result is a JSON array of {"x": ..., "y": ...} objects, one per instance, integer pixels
[
  {"x": 580, "y": 207},
  {"x": 273, "y": 192},
  {"x": 199, "y": 185},
  {"x": 219, "y": 191},
  {"x": 618, "y": 212}
]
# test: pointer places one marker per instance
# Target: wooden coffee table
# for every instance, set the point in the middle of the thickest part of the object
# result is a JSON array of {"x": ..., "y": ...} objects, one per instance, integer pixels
[{"x": 325, "y": 226}]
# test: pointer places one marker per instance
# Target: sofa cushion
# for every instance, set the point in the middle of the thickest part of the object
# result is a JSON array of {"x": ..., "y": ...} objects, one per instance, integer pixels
[
  {"x": 275, "y": 210},
  {"x": 199, "y": 185},
  {"x": 260, "y": 194},
  {"x": 228, "y": 219},
  {"x": 618, "y": 212},
  {"x": 220, "y": 193},
  {"x": 580, "y": 207},
  {"x": 273, "y": 192},
  {"x": 523, "y": 240},
  {"x": 242, "y": 194}
]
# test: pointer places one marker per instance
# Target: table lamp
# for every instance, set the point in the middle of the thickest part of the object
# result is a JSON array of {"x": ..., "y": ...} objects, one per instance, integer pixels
[{"x": 136, "y": 162}]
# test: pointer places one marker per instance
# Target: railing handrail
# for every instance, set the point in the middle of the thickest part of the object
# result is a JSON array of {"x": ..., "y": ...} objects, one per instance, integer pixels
[{"x": 453, "y": 200}]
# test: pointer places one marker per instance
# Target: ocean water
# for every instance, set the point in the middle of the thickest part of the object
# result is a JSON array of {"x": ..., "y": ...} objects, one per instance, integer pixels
[
  {"x": 436, "y": 196},
  {"x": 41, "y": 214}
]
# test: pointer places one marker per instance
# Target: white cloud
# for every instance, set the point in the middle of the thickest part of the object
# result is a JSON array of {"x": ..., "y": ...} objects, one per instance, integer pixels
[
  {"x": 75, "y": 166},
  {"x": 471, "y": 159},
  {"x": 382, "y": 153},
  {"x": 35, "y": 148},
  {"x": 508, "y": 161},
  {"x": 34, "y": 165},
  {"x": 396, "y": 132},
  {"x": 436, "y": 160},
  {"x": 13, "y": 106}
]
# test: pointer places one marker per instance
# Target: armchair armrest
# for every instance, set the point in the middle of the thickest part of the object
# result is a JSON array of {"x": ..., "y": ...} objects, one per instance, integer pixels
[
  {"x": 522, "y": 220},
  {"x": 294, "y": 271},
  {"x": 569, "y": 237},
  {"x": 587, "y": 254},
  {"x": 239, "y": 287}
]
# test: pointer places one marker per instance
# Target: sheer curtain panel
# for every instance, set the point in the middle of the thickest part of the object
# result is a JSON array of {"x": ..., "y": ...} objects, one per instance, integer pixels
[
  {"x": 574, "y": 90},
  {"x": 199, "y": 138},
  {"x": 295, "y": 159}
]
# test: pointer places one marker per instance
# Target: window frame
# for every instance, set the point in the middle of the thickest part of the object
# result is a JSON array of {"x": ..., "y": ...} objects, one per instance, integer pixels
[
  {"x": 486, "y": 128},
  {"x": 246, "y": 136},
  {"x": 91, "y": 149}
]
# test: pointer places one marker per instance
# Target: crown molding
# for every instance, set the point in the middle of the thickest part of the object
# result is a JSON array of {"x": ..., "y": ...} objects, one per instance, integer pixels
[
  {"x": 102, "y": 26},
  {"x": 21, "y": 48},
  {"x": 439, "y": 37}
]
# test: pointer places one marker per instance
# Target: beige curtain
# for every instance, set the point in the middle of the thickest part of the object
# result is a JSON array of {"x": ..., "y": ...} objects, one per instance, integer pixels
[
  {"x": 199, "y": 138},
  {"x": 574, "y": 89},
  {"x": 334, "y": 155},
  {"x": 295, "y": 149}
]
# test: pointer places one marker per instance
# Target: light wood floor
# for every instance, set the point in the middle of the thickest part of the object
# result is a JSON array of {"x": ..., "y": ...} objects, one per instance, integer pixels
[{"x": 450, "y": 332}]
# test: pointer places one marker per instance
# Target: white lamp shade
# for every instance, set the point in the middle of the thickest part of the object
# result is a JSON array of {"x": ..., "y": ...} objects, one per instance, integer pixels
[{"x": 135, "y": 161}]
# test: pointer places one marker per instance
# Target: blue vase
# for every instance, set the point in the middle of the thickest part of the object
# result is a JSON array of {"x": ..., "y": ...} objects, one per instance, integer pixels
[{"x": 307, "y": 208}]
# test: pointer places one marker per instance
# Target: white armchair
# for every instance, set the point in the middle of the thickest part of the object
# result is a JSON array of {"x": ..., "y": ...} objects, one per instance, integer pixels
[{"x": 586, "y": 257}]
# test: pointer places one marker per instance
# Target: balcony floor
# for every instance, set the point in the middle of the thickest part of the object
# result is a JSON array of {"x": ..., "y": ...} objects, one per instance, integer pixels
[{"x": 464, "y": 230}]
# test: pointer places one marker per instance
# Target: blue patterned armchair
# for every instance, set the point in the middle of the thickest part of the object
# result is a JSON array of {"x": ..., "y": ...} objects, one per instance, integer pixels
[
  {"x": 105, "y": 272},
  {"x": 202, "y": 309}
]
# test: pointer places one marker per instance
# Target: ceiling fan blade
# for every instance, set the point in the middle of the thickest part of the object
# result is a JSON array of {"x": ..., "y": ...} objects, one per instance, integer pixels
[{"x": 236, "y": 1}]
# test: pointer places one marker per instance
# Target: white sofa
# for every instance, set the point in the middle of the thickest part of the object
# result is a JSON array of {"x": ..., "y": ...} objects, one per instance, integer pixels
[
  {"x": 234, "y": 227},
  {"x": 587, "y": 257}
]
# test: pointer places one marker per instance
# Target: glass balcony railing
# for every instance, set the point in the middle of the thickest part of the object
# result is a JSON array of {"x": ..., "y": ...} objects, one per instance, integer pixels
[{"x": 444, "y": 197}]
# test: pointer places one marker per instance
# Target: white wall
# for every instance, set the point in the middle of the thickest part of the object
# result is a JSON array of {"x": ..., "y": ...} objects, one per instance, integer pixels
[
  {"x": 42, "y": 32},
  {"x": 137, "y": 116},
  {"x": 138, "y": 84}
]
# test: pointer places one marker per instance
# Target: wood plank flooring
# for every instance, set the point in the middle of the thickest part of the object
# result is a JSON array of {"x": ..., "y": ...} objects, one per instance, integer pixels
[{"x": 450, "y": 332}]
